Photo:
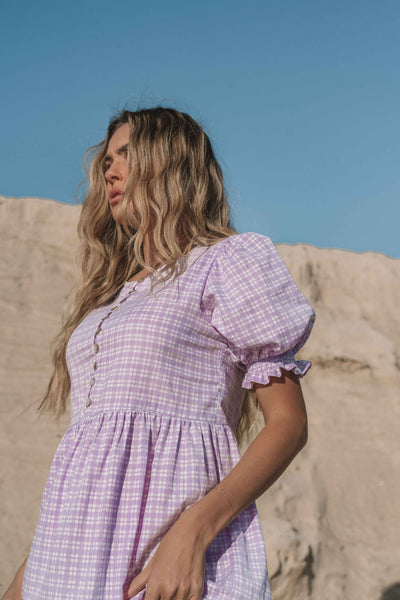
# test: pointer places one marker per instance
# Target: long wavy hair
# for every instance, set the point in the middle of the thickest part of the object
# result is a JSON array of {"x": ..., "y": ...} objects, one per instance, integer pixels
[{"x": 179, "y": 197}]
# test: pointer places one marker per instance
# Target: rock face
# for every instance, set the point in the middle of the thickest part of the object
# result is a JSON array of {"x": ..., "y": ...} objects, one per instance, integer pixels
[{"x": 331, "y": 522}]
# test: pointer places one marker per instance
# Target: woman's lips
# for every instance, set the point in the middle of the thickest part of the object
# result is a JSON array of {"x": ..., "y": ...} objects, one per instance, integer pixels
[{"x": 116, "y": 199}]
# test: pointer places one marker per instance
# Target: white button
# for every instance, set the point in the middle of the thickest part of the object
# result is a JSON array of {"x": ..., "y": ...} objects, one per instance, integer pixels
[
  {"x": 88, "y": 401},
  {"x": 95, "y": 365},
  {"x": 95, "y": 348},
  {"x": 92, "y": 380},
  {"x": 98, "y": 329}
]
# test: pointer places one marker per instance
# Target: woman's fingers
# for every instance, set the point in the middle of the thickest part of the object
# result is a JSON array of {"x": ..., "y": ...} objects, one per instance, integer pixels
[
  {"x": 162, "y": 590},
  {"x": 138, "y": 583},
  {"x": 165, "y": 584},
  {"x": 176, "y": 570},
  {"x": 181, "y": 593}
]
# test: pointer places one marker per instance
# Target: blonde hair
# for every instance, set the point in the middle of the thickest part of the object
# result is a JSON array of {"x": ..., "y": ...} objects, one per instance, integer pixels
[{"x": 179, "y": 195}]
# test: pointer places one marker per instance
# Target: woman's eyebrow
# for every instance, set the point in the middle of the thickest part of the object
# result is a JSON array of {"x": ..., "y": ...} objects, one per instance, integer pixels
[{"x": 121, "y": 150}]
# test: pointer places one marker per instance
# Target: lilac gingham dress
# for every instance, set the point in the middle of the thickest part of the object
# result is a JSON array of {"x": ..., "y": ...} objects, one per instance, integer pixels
[{"x": 158, "y": 379}]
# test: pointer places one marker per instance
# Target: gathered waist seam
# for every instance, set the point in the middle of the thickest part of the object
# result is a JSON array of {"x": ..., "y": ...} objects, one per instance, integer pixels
[{"x": 92, "y": 415}]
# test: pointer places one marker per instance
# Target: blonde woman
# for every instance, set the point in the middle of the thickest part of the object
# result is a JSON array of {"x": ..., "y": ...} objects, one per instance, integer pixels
[{"x": 175, "y": 317}]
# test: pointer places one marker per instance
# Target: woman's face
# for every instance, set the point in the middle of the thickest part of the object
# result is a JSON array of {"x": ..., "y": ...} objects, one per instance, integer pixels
[{"x": 116, "y": 168}]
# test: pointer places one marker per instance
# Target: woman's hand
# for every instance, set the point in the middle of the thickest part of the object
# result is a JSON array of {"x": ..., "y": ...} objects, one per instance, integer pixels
[{"x": 177, "y": 569}]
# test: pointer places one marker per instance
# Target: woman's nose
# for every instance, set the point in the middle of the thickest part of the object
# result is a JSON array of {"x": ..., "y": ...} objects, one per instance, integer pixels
[{"x": 113, "y": 173}]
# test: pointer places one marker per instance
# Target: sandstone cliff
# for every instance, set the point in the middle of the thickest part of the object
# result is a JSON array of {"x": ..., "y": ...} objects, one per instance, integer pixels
[{"x": 331, "y": 522}]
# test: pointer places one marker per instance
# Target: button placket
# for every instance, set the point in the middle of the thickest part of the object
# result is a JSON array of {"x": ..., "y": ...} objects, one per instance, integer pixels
[{"x": 96, "y": 347}]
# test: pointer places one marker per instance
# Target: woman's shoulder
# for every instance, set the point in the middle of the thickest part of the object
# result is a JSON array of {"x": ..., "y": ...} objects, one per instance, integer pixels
[
  {"x": 243, "y": 248},
  {"x": 238, "y": 258},
  {"x": 248, "y": 242}
]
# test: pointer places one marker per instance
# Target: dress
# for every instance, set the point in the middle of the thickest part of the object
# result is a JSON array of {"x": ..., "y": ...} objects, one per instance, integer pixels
[{"x": 157, "y": 383}]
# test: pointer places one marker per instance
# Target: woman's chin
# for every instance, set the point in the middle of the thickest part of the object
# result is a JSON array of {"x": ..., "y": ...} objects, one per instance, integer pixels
[{"x": 117, "y": 213}]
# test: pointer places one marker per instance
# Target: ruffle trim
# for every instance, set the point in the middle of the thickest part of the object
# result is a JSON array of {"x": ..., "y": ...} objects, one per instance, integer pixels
[{"x": 261, "y": 372}]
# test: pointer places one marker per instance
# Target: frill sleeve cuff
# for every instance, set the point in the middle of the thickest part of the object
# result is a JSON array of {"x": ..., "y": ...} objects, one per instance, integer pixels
[{"x": 260, "y": 372}]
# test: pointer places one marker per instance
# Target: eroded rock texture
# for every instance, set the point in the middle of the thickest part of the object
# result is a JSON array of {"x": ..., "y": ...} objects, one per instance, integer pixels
[{"x": 331, "y": 522}]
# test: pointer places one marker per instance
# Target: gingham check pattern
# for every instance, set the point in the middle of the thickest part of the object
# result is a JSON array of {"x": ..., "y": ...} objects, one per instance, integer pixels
[{"x": 158, "y": 379}]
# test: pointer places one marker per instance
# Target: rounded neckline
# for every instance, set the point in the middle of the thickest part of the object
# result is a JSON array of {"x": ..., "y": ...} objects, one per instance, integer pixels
[{"x": 136, "y": 282}]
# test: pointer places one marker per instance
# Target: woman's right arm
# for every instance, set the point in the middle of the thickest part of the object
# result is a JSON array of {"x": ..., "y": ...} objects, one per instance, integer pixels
[{"x": 14, "y": 592}]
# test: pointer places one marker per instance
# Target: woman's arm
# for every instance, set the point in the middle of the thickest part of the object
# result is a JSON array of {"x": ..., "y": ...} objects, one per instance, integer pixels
[
  {"x": 178, "y": 566},
  {"x": 14, "y": 592},
  {"x": 282, "y": 437}
]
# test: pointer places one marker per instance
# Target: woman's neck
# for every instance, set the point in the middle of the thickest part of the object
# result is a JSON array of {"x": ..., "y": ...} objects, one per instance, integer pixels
[{"x": 148, "y": 252}]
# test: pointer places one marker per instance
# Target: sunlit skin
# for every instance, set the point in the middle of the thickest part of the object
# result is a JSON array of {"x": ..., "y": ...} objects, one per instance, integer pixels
[
  {"x": 116, "y": 167},
  {"x": 116, "y": 175}
]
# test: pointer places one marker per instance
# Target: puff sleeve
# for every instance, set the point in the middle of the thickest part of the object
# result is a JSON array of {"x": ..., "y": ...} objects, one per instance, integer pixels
[{"x": 257, "y": 309}]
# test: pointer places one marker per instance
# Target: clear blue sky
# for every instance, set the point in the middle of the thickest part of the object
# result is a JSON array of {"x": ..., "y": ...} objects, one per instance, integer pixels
[{"x": 300, "y": 98}]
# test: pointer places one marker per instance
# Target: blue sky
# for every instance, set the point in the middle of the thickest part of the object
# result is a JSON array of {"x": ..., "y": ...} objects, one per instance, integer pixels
[{"x": 301, "y": 100}]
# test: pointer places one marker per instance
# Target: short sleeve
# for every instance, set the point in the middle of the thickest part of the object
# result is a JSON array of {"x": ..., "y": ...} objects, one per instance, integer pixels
[{"x": 253, "y": 303}]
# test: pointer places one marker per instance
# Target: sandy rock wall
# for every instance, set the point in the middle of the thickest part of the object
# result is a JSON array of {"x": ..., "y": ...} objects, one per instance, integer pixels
[
  {"x": 339, "y": 495},
  {"x": 331, "y": 522}
]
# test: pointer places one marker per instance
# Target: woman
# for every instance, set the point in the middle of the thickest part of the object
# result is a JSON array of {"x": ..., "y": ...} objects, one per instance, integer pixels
[{"x": 175, "y": 317}]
